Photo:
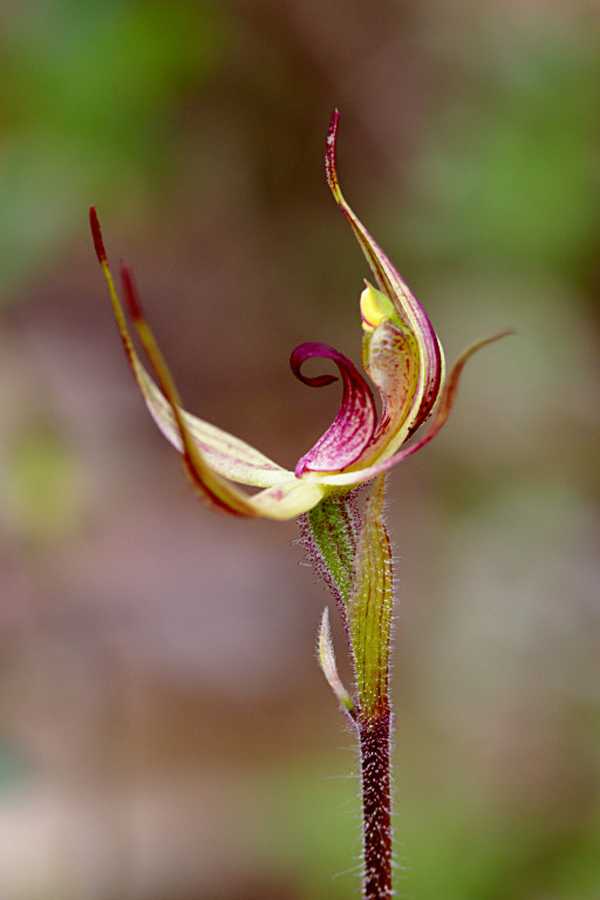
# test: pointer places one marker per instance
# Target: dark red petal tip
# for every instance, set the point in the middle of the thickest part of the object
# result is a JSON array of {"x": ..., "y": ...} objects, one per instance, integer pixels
[
  {"x": 97, "y": 236},
  {"x": 309, "y": 350},
  {"x": 330, "y": 149},
  {"x": 333, "y": 122},
  {"x": 131, "y": 294}
]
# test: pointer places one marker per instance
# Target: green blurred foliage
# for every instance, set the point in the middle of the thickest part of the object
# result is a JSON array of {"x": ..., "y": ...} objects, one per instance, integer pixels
[
  {"x": 508, "y": 180},
  {"x": 89, "y": 100},
  {"x": 43, "y": 485}
]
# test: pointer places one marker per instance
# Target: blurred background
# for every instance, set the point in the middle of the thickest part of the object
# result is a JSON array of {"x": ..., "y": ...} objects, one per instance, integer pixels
[{"x": 165, "y": 733}]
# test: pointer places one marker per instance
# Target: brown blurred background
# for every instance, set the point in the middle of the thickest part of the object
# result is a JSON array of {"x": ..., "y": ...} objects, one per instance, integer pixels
[{"x": 165, "y": 731}]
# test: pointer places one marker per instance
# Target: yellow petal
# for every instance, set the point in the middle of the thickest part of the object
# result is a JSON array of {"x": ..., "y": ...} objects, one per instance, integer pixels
[{"x": 289, "y": 500}]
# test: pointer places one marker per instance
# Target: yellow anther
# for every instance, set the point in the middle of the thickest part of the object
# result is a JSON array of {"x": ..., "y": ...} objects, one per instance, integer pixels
[{"x": 375, "y": 308}]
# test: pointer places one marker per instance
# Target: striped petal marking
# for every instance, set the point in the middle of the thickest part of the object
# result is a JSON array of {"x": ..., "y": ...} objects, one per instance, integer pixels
[
  {"x": 352, "y": 429},
  {"x": 391, "y": 359}
]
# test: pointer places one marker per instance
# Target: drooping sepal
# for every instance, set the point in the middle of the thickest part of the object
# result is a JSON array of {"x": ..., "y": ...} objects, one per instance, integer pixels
[
  {"x": 212, "y": 458},
  {"x": 328, "y": 665}
]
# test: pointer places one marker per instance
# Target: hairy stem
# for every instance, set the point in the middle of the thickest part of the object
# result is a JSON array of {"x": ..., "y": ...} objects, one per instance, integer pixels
[
  {"x": 351, "y": 549},
  {"x": 374, "y": 736}
]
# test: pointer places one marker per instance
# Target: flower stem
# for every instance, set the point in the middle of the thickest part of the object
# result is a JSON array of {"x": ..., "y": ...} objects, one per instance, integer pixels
[
  {"x": 374, "y": 736},
  {"x": 350, "y": 548}
]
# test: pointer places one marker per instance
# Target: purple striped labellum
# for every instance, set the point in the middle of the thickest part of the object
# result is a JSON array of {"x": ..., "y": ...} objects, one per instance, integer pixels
[{"x": 346, "y": 539}]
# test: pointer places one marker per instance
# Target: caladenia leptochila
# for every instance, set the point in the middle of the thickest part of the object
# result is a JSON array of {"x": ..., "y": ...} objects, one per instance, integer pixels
[{"x": 344, "y": 534}]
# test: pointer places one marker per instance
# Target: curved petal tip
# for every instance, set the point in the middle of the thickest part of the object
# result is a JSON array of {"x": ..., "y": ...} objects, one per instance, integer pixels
[
  {"x": 97, "y": 236},
  {"x": 352, "y": 429}
]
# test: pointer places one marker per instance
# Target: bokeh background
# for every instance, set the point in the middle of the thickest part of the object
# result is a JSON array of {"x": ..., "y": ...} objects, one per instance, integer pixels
[{"x": 165, "y": 733}]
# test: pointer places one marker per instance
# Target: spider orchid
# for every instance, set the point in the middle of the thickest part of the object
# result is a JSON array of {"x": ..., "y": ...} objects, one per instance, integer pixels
[
  {"x": 402, "y": 356},
  {"x": 346, "y": 540}
]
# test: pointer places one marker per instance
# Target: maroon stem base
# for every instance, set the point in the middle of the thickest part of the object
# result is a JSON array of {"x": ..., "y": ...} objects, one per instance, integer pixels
[{"x": 374, "y": 735}]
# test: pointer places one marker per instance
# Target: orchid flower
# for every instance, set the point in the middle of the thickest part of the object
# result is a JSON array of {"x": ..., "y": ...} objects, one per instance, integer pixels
[
  {"x": 402, "y": 356},
  {"x": 347, "y": 542}
]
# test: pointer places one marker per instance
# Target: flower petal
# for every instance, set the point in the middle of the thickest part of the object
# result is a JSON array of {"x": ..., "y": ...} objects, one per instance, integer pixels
[
  {"x": 285, "y": 501},
  {"x": 211, "y": 486},
  {"x": 392, "y": 361},
  {"x": 282, "y": 501},
  {"x": 288, "y": 501},
  {"x": 409, "y": 310},
  {"x": 441, "y": 417},
  {"x": 227, "y": 454},
  {"x": 352, "y": 429}
]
